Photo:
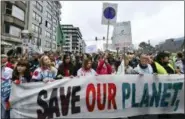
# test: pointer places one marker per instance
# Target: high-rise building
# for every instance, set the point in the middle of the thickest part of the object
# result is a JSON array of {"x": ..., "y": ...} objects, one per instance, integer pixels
[
  {"x": 44, "y": 18},
  {"x": 13, "y": 21},
  {"x": 73, "y": 39}
]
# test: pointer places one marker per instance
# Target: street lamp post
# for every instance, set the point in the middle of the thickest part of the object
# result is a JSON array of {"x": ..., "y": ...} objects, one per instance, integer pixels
[{"x": 38, "y": 39}]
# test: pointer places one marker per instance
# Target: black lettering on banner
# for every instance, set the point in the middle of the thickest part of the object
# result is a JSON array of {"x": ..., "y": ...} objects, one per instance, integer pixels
[
  {"x": 53, "y": 104},
  {"x": 65, "y": 100},
  {"x": 75, "y": 98},
  {"x": 43, "y": 104}
]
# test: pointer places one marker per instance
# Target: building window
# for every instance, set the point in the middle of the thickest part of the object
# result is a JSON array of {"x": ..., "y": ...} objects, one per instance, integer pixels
[
  {"x": 49, "y": 16},
  {"x": 47, "y": 44},
  {"x": 47, "y": 34},
  {"x": 49, "y": 5},
  {"x": 54, "y": 21},
  {"x": 18, "y": 13},
  {"x": 36, "y": 28},
  {"x": 47, "y": 24},
  {"x": 9, "y": 8},
  {"x": 38, "y": 6},
  {"x": 12, "y": 30},
  {"x": 37, "y": 17},
  {"x": 14, "y": 11}
]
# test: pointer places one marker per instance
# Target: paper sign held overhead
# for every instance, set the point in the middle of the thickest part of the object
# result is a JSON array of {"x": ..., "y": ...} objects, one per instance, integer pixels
[
  {"x": 109, "y": 13},
  {"x": 122, "y": 36}
]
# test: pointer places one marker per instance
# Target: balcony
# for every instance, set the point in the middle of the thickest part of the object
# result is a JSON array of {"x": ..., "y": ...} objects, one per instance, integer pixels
[
  {"x": 21, "y": 5},
  {"x": 13, "y": 20},
  {"x": 75, "y": 40},
  {"x": 75, "y": 48},
  {"x": 75, "y": 43}
]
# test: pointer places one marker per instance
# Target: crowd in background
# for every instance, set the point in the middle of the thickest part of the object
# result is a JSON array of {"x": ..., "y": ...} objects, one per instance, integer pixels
[{"x": 51, "y": 66}]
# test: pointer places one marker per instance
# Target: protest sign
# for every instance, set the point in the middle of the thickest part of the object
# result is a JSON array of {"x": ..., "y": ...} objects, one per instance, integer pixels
[
  {"x": 91, "y": 49},
  {"x": 108, "y": 96},
  {"x": 122, "y": 36}
]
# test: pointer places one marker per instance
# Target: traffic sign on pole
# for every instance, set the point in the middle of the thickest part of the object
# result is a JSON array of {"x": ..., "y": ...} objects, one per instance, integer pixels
[{"x": 109, "y": 13}]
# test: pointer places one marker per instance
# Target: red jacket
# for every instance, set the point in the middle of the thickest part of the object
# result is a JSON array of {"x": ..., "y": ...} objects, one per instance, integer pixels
[
  {"x": 10, "y": 65},
  {"x": 103, "y": 70}
]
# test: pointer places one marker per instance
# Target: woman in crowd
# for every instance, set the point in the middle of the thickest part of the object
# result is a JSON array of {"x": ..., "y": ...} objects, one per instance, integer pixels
[
  {"x": 52, "y": 58},
  {"x": 66, "y": 69},
  {"x": 95, "y": 61},
  {"x": 86, "y": 69},
  {"x": 103, "y": 66},
  {"x": 21, "y": 73},
  {"x": 77, "y": 65},
  {"x": 46, "y": 72},
  {"x": 113, "y": 66}
]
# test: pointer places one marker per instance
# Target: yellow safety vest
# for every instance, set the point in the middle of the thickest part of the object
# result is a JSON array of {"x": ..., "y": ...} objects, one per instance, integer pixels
[{"x": 161, "y": 69}]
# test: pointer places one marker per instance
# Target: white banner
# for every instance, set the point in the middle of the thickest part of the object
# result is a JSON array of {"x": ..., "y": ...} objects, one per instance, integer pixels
[
  {"x": 108, "y": 96},
  {"x": 91, "y": 49},
  {"x": 109, "y": 13},
  {"x": 122, "y": 36}
]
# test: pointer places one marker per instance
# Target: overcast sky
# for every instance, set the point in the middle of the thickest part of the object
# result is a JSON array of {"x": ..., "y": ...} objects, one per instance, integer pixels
[{"x": 154, "y": 20}]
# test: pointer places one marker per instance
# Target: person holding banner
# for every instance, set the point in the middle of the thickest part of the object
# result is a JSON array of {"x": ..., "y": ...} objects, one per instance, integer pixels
[
  {"x": 103, "y": 66},
  {"x": 46, "y": 72},
  {"x": 161, "y": 65},
  {"x": 66, "y": 69},
  {"x": 21, "y": 73},
  {"x": 143, "y": 67},
  {"x": 86, "y": 69}
]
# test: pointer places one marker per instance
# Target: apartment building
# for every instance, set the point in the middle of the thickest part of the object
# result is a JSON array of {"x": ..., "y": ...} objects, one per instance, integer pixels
[
  {"x": 73, "y": 39},
  {"x": 171, "y": 45},
  {"x": 13, "y": 21},
  {"x": 44, "y": 18}
]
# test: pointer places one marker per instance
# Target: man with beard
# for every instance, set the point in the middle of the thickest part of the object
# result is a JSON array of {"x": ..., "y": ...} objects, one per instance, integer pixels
[{"x": 162, "y": 65}]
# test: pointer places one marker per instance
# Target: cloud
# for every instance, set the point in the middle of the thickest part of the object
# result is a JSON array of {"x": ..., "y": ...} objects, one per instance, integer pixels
[{"x": 150, "y": 20}]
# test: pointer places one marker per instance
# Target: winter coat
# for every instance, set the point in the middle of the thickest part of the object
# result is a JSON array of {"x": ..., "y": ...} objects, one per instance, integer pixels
[{"x": 103, "y": 68}]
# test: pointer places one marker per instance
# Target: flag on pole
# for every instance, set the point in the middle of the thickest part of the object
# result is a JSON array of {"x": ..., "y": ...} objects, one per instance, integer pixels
[{"x": 60, "y": 35}]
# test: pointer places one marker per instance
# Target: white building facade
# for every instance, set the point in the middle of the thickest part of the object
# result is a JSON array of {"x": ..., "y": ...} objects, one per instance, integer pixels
[
  {"x": 44, "y": 18},
  {"x": 73, "y": 39}
]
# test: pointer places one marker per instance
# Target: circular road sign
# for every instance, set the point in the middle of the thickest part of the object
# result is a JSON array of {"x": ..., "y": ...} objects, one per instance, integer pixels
[{"x": 109, "y": 13}]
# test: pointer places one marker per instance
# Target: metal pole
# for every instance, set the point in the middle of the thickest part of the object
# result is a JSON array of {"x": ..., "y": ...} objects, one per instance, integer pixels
[
  {"x": 117, "y": 51},
  {"x": 38, "y": 40},
  {"x": 124, "y": 54},
  {"x": 107, "y": 35},
  {"x": 38, "y": 37}
]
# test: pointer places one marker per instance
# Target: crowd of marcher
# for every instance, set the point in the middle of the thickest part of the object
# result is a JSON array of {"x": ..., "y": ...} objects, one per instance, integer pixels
[{"x": 51, "y": 66}]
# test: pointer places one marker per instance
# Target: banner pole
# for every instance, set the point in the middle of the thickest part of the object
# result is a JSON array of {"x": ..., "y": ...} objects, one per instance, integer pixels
[{"x": 107, "y": 35}]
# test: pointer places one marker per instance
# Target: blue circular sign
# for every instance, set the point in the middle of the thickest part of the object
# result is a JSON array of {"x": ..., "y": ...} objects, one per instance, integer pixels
[{"x": 109, "y": 13}]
